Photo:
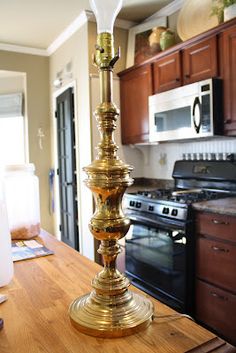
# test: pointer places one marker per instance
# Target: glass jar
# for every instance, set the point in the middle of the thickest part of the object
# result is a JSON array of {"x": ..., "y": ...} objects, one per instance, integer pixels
[
  {"x": 6, "y": 263},
  {"x": 22, "y": 200}
]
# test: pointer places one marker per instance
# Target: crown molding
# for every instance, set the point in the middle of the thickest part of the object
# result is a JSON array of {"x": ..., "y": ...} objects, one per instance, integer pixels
[
  {"x": 69, "y": 31},
  {"x": 166, "y": 11},
  {"x": 83, "y": 18},
  {"x": 124, "y": 23},
  {"x": 23, "y": 50}
]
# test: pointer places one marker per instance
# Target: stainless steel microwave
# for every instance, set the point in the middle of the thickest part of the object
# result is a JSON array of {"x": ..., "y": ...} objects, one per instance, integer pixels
[{"x": 187, "y": 112}]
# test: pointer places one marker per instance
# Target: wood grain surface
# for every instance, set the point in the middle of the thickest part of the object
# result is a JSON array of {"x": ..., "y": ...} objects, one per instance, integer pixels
[{"x": 36, "y": 313}]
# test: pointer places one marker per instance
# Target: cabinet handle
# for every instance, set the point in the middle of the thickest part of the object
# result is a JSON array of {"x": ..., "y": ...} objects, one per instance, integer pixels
[
  {"x": 215, "y": 221},
  {"x": 221, "y": 297},
  {"x": 215, "y": 248},
  {"x": 228, "y": 121},
  {"x": 187, "y": 76}
]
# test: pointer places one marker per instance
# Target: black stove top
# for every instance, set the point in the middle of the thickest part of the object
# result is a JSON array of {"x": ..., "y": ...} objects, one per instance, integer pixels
[
  {"x": 195, "y": 181},
  {"x": 187, "y": 196},
  {"x": 170, "y": 203}
]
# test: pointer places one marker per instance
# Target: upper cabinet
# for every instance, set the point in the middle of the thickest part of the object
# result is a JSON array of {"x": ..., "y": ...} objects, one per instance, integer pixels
[
  {"x": 167, "y": 73},
  {"x": 211, "y": 54},
  {"x": 135, "y": 87},
  {"x": 200, "y": 61},
  {"x": 227, "y": 47},
  {"x": 193, "y": 63}
]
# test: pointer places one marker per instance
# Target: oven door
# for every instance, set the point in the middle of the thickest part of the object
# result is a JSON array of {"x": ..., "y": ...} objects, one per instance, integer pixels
[{"x": 156, "y": 260}]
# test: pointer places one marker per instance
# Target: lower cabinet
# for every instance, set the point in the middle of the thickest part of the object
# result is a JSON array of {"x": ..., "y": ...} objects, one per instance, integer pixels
[
  {"x": 217, "y": 309},
  {"x": 215, "y": 304}
]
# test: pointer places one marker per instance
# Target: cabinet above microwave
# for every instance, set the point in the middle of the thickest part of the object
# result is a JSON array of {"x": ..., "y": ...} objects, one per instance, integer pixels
[
  {"x": 191, "y": 111},
  {"x": 210, "y": 54}
]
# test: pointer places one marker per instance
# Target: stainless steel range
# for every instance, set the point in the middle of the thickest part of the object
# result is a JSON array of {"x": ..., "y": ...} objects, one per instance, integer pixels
[{"x": 160, "y": 243}]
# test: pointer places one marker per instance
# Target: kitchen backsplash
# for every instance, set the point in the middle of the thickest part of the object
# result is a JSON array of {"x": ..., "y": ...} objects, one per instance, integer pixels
[{"x": 157, "y": 161}]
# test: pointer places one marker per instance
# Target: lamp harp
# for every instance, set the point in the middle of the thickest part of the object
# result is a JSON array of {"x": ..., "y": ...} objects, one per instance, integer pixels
[{"x": 111, "y": 309}]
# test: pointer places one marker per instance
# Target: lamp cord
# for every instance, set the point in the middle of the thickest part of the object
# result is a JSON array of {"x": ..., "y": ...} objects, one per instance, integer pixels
[{"x": 173, "y": 316}]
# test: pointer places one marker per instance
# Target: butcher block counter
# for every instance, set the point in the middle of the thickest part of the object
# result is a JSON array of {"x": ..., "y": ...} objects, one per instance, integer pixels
[{"x": 36, "y": 312}]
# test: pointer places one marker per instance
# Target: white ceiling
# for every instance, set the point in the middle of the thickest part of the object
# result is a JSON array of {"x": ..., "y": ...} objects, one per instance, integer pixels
[{"x": 37, "y": 23}]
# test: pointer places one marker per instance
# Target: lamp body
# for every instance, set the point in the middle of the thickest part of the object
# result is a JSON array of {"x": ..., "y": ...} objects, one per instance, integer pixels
[{"x": 111, "y": 309}]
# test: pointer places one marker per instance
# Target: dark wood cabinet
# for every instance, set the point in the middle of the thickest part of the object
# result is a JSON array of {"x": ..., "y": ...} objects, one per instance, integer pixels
[
  {"x": 217, "y": 309},
  {"x": 200, "y": 61},
  {"x": 211, "y": 54},
  {"x": 215, "y": 303},
  {"x": 167, "y": 73},
  {"x": 135, "y": 87},
  {"x": 228, "y": 72}
]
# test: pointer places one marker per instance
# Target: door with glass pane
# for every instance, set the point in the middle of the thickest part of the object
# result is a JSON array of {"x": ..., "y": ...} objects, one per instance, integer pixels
[{"x": 67, "y": 169}]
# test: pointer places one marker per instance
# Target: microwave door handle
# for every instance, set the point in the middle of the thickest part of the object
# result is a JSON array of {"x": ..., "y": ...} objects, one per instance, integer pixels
[{"x": 197, "y": 105}]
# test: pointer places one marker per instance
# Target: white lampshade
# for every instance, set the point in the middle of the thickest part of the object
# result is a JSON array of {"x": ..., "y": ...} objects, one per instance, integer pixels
[{"x": 105, "y": 12}]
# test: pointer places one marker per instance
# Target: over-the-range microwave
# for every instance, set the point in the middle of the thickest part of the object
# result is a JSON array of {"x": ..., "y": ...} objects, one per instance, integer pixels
[{"x": 187, "y": 112}]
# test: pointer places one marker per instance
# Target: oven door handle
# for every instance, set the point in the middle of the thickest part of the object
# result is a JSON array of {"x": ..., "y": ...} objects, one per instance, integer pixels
[{"x": 153, "y": 223}]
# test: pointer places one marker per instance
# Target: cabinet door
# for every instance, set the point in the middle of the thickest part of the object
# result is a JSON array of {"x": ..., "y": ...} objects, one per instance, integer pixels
[
  {"x": 135, "y": 87},
  {"x": 216, "y": 225},
  {"x": 167, "y": 73},
  {"x": 200, "y": 61},
  {"x": 217, "y": 309},
  {"x": 216, "y": 262},
  {"x": 228, "y": 70}
]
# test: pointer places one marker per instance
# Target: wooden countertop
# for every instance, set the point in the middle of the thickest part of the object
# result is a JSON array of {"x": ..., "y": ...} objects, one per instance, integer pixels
[
  {"x": 226, "y": 206},
  {"x": 36, "y": 312}
]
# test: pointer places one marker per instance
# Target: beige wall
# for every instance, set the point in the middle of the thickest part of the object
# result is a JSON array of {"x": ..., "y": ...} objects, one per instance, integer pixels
[
  {"x": 12, "y": 84},
  {"x": 37, "y": 75},
  {"x": 75, "y": 52}
]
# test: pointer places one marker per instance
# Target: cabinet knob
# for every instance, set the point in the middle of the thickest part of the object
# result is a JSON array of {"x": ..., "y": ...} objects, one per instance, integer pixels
[
  {"x": 216, "y": 221},
  {"x": 216, "y": 295},
  {"x": 187, "y": 76},
  {"x": 216, "y": 248},
  {"x": 227, "y": 121},
  {"x": 177, "y": 79}
]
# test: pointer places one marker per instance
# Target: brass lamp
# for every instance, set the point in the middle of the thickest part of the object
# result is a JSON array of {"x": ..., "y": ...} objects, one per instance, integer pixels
[{"x": 110, "y": 310}]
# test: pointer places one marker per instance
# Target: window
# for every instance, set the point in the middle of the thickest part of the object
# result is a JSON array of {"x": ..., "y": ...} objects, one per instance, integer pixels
[
  {"x": 12, "y": 136},
  {"x": 12, "y": 141}
]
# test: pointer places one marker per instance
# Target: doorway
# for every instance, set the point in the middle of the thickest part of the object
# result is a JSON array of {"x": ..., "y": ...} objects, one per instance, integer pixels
[{"x": 66, "y": 171}]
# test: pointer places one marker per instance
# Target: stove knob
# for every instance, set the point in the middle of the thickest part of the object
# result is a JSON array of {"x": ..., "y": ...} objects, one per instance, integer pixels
[
  {"x": 174, "y": 212},
  {"x": 165, "y": 210},
  {"x": 151, "y": 208},
  {"x": 138, "y": 204}
]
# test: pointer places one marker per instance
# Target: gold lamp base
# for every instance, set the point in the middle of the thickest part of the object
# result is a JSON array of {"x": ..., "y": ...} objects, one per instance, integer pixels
[
  {"x": 110, "y": 310},
  {"x": 103, "y": 316}
]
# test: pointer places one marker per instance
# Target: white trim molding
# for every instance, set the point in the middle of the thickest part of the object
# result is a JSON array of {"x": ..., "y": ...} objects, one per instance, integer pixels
[
  {"x": 23, "y": 49},
  {"x": 69, "y": 31},
  {"x": 167, "y": 10}
]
